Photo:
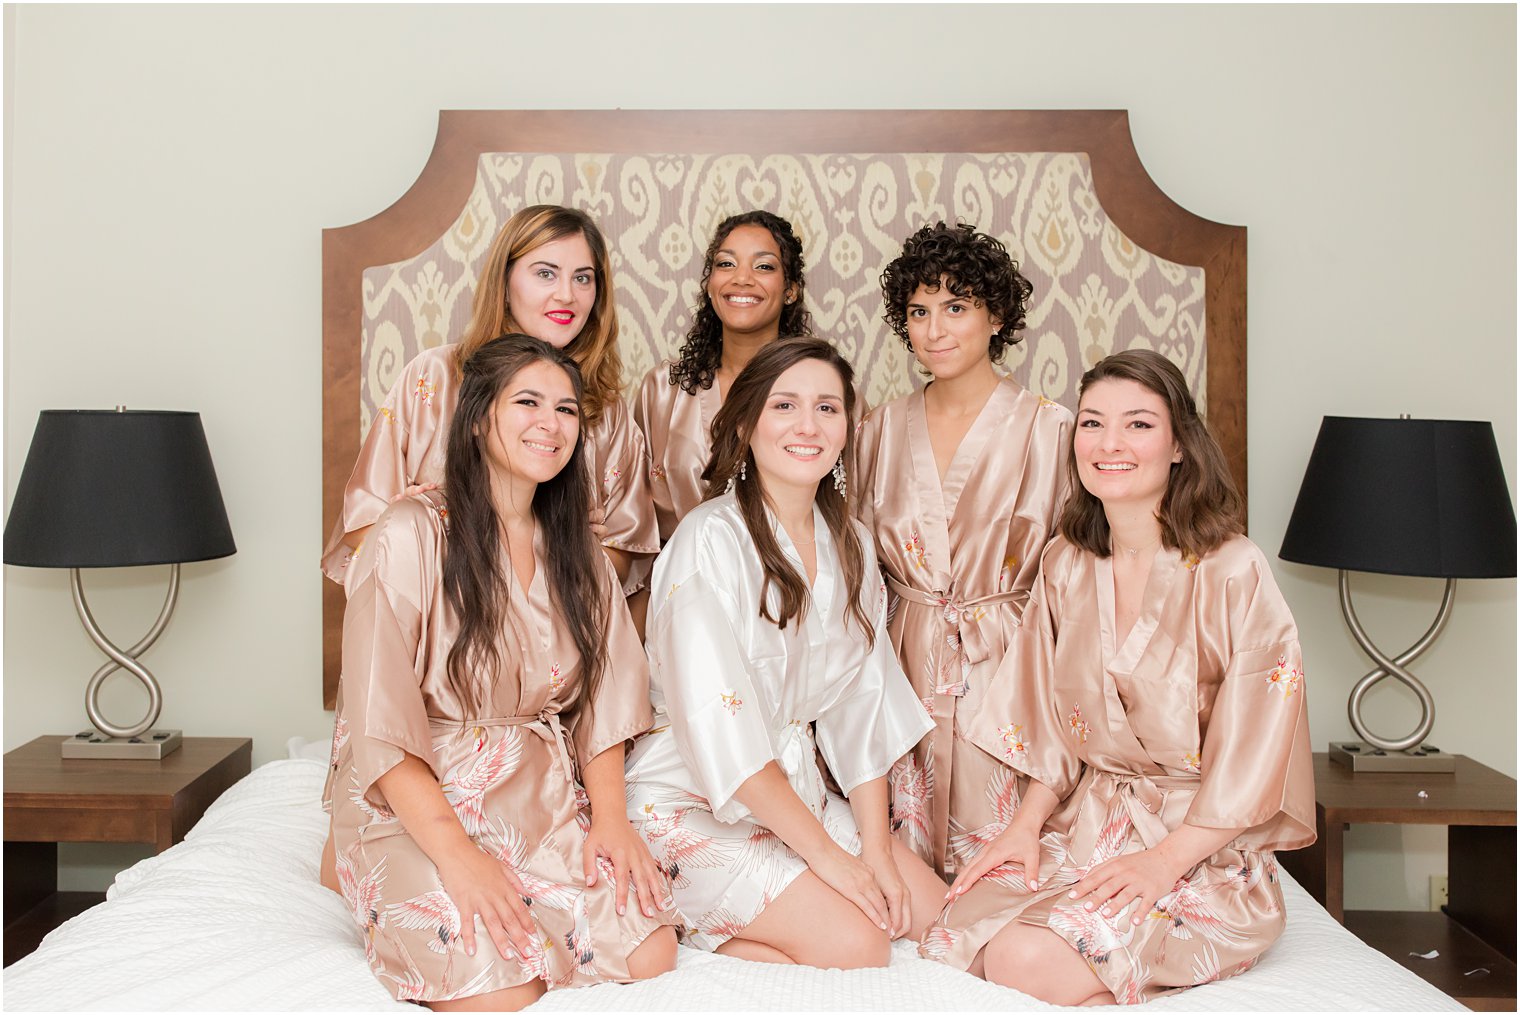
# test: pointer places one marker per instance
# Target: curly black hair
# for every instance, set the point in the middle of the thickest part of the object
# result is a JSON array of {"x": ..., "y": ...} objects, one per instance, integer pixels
[
  {"x": 702, "y": 351},
  {"x": 973, "y": 265}
]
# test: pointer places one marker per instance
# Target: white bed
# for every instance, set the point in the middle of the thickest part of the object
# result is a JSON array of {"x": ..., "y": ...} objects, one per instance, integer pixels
[{"x": 233, "y": 919}]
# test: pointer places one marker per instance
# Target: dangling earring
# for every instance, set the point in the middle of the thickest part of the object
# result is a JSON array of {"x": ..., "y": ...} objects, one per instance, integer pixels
[
  {"x": 736, "y": 477},
  {"x": 839, "y": 476}
]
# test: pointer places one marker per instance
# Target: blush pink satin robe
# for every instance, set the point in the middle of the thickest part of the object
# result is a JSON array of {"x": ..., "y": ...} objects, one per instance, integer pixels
[
  {"x": 1198, "y": 717},
  {"x": 510, "y": 771},
  {"x": 677, "y": 429},
  {"x": 959, "y": 558},
  {"x": 405, "y": 447}
]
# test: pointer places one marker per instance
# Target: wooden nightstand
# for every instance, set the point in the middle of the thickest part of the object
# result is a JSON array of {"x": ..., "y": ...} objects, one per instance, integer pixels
[
  {"x": 1476, "y": 929},
  {"x": 49, "y": 799}
]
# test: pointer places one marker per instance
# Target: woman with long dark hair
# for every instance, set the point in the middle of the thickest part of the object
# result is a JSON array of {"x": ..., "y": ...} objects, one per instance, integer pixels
[
  {"x": 547, "y": 275},
  {"x": 1158, "y": 711},
  {"x": 961, "y": 483},
  {"x": 751, "y": 294},
  {"x": 769, "y": 661},
  {"x": 478, "y": 700}
]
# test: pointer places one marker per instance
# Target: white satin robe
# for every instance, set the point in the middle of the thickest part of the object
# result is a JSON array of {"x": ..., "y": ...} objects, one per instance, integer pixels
[{"x": 732, "y": 692}]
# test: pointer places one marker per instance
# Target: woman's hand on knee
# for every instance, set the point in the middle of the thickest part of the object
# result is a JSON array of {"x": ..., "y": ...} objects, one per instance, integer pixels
[
  {"x": 1018, "y": 845},
  {"x": 1141, "y": 877},
  {"x": 482, "y": 886},
  {"x": 894, "y": 890},
  {"x": 614, "y": 839},
  {"x": 853, "y": 878}
]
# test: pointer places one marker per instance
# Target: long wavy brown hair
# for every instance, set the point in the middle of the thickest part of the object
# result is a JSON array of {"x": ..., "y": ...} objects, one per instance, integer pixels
[
  {"x": 732, "y": 429},
  {"x": 1202, "y": 506},
  {"x": 475, "y": 580},
  {"x": 595, "y": 349}
]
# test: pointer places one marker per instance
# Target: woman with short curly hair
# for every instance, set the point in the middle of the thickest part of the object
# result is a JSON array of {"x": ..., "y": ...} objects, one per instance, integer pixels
[
  {"x": 960, "y": 484},
  {"x": 751, "y": 294}
]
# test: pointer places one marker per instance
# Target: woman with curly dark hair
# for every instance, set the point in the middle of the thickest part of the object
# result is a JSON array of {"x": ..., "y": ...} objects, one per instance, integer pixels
[
  {"x": 960, "y": 484},
  {"x": 751, "y": 294}
]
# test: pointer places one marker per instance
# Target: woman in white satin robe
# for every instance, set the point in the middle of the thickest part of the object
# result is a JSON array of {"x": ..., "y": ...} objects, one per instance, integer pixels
[
  {"x": 748, "y": 712},
  {"x": 959, "y": 513},
  {"x": 1158, "y": 711}
]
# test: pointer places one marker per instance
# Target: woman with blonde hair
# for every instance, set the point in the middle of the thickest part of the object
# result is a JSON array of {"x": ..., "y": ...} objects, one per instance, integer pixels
[
  {"x": 1157, "y": 708},
  {"x": 547, "y": 275}
]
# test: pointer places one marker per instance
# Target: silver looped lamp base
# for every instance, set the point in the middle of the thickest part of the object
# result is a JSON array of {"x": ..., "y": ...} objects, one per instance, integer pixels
[
  {"x": 1392, "y": 753},
  {"x": 139, "y": 740}
]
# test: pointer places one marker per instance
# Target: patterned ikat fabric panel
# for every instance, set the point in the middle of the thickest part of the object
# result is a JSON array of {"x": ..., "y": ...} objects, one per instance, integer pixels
[{"x": 1095, "y": 291}]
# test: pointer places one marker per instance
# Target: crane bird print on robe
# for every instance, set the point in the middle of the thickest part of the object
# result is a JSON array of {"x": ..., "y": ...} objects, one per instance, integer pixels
[
  {"x": 363, "y": 897},
  {"x": 465, "y": 785},
  {"x": 508, "y": 845}
]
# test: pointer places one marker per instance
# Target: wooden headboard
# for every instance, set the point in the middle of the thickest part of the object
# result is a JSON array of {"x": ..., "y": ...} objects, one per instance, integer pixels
[{"x": 1115, "y": 262}]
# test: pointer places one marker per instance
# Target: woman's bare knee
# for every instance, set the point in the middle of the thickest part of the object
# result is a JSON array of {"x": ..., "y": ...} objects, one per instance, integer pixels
[
  {"x": 814, "y": 925},
  {"x": 656, "y": 954},
  {"x": 1038, "y": 962}
]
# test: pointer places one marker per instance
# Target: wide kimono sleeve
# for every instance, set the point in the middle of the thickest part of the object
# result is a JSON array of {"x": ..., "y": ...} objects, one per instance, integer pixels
[
  {"x": 863, "y": 471},
  {"x": 697, "y": 655},
  {"x": 878, "y": 718},
  {"x": 384, "y": 628},
  {"x": 404, "y": 430},
  {"x": 620, "y": 710},
  {"x": 623, "y": 483},
  {"x": 1258, "y": 771},
  {"x": 1019, "y": 722}
]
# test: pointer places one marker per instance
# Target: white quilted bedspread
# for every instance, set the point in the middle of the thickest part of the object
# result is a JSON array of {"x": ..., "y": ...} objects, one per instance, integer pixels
[{"x": 233, "y": 918}]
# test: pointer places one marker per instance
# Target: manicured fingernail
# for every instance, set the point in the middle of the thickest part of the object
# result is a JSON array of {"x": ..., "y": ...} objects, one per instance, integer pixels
[
  {"x": 622, "y": 910},
  {"x": 1072, "y": 894},
  {"x": 1087, "y": 906},
  {"x": 590, "y": 881},
  {"x": 1135, "y": 920},
  {"x": 469, "y": 950},
  {"x": 1033, "y": 885},
  {"x": 511, "y": 953}
]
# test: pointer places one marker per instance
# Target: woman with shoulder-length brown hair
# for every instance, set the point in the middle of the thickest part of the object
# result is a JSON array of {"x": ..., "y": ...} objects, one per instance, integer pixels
[
  {"x": 768, "y": 661},
  {"x": 482, "y": 842},
  {"x": 1159, "y": 716},
  {"x": 547, "y": 275}
]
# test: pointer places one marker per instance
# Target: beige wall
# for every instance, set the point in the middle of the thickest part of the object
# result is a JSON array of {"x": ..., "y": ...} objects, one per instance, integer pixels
[{"x": 170, "y": 170}]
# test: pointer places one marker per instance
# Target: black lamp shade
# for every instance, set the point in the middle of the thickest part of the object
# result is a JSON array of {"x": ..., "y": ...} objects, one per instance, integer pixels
[
  {"x": 117, "y": 489},
  {"x": 1414, "y": 497}
]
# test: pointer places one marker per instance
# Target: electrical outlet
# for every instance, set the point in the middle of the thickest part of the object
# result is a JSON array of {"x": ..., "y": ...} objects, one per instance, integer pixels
[{"x": 1437, "y": 892}]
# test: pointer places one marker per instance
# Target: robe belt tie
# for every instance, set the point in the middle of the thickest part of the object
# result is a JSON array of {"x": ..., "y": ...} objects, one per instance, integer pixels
[
  {"x": 965, "y": 615},
  {"x": 546, "y": 724},
  {"x": 1143, "y": 796},
  {"x": 798, "y": 759}
]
